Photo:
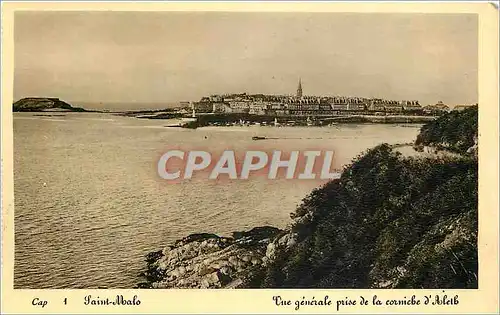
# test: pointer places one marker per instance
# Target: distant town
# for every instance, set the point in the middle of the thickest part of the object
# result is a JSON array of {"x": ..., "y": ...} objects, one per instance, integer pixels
[
  {"x": 276, "y": 110},
  {"x": 306, "y": 105}
]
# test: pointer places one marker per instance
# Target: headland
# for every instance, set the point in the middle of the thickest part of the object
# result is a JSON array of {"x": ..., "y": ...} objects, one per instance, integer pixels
[{"x": 44, "y": 104}]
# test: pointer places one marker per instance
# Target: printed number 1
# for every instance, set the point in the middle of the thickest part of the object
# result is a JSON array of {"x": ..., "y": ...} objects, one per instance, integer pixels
[{"x": 65, "y": 301}]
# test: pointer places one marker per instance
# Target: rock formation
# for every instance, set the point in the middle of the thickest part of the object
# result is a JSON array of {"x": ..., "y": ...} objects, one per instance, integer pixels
[
  {"x": 209, "y": 261},
  {"x": 40, "y": 104}
]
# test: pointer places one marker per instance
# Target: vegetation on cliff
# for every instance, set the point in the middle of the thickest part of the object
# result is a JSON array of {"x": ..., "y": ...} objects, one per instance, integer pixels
[
  {"x": 40, "y": 104},
  {"x": 456, "y": 131},
  {"x": 389, "y": 221}
]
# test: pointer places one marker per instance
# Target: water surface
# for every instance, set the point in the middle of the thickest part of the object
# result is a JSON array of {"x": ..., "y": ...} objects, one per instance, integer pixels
[{"x": 89, "y": 203}]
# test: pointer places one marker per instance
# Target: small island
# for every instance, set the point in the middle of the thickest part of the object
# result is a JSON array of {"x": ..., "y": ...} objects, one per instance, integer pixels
[{"x": 44, "y": 104}]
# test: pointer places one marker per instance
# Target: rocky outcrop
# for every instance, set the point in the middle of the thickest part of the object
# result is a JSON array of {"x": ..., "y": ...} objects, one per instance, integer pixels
[
  {"x": 210, "y": 261},
  {"x": 41, "y": 104},
  {"x": 474, "y": 150}
]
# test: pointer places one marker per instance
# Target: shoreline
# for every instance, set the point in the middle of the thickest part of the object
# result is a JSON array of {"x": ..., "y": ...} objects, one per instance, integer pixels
[
  {"x": 249, "y": 258},
  {"x": 272, "y": 121},
  {"x": 207, "y": 260},
  {"x": 204, "y": 260},
  {"x": 299, "y": 121},
  {"x": 390, "y": 221},
  {"x": 196, "y": 124}
]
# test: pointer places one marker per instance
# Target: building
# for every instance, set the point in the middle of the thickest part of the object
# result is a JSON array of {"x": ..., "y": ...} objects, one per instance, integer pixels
[
  {"x": 306, "y": 105},
  {"x": 436, "y": 108},
  {"x": 462, "y": 107},
  {"x": 221, "y": 107},
  {"x": 376, "y": 105},
  {"x": 411, "y": 106},
  {"x": 299, "y": 89},
  {"x": 203, "y": 106},
  {"x": 240, "y": 105}
]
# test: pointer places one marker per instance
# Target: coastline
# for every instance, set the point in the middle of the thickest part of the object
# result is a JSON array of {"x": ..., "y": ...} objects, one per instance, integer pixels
[
  {"x": 250, "y": 259},
  {"x": 209, "y": 261},
  {"x": 390, "y": 221},
  {"x": 291, "y": 121},
  {"x": 193, "y": 121}
]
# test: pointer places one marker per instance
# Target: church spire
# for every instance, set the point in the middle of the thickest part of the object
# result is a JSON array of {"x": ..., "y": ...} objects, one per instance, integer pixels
[{"x": 299, "y": 88}]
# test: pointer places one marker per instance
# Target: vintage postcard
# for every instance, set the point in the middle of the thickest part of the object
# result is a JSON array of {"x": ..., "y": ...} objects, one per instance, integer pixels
[{"x": 249, "y": 158}]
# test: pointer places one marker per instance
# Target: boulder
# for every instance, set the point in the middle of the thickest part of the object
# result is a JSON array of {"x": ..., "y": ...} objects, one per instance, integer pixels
[{"x": 206, "y": 260}]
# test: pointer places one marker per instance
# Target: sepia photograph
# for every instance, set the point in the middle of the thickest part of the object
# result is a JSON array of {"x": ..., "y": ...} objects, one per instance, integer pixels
[{"x": 169, "y": 150}]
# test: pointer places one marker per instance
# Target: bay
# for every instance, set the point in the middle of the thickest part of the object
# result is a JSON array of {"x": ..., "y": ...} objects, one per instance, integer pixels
[{"x": 89, "y": 203}]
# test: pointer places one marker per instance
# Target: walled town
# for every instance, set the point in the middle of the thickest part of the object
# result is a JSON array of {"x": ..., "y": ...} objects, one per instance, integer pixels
[{"x": 305, "y": 105}]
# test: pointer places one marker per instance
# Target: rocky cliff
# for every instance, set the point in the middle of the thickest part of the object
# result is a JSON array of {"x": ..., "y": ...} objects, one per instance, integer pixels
[
  {"x": 40, "y": 104},
  {"x": 209, "y": 261}
]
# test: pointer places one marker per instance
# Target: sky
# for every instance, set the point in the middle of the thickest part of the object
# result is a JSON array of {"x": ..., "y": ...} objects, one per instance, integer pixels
[{"x": 151, "y": 57}]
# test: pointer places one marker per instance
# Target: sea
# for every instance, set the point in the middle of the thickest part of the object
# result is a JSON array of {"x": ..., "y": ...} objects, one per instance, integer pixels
[{"x": 89, "y": 203}]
